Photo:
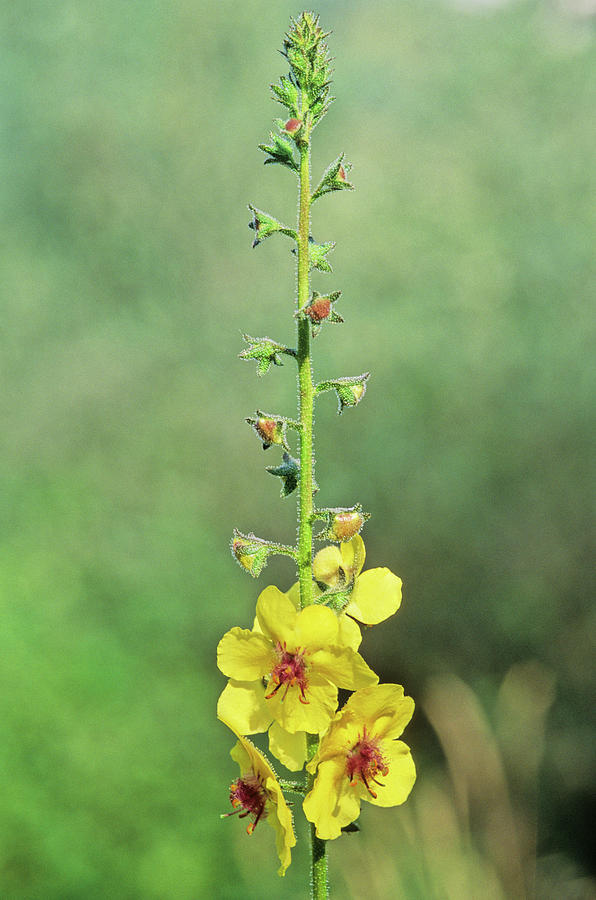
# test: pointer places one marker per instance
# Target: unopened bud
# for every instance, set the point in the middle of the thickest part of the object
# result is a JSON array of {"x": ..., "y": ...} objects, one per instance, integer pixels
[
  {"x": 292, "y": 127},
  {"x": 345, "y": 523},
  {"x": 250, "y": 551},
  {"x": 351, "y": 392},
  {"x": 319, "y": 309},
  {"x": 269, "y": 430}
]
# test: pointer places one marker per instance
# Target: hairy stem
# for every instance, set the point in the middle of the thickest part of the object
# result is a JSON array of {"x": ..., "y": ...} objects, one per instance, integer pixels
[
  {"x": 306, "y": 390},
  {"x": 319, "y": 884},
  {"x": 319, "y": 890}
]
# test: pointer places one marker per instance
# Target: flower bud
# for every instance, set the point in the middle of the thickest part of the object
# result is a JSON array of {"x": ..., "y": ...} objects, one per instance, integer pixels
[
  {"x": 344, "y": 524},
  {"x": 350, "y": 394},
  {"x": 269, "y": 430},
  {"x": 265, "y": 225},
  {"x": 250, "y": 552},
  {"x": 319, "y": 309},
  {"x": 292, "y": 127}
]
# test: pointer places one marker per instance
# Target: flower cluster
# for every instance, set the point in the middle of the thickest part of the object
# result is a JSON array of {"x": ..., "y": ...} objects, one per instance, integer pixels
[{"x": 285, "y": 672}]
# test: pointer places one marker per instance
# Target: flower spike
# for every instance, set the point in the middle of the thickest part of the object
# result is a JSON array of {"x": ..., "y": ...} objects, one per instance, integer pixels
[{"x": 284, "y": 674}]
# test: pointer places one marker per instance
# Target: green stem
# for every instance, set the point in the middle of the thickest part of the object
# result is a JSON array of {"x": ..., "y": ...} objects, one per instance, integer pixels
[
  {"x": 319, "y": 888},
  {"x": 319, "y": 884},
  {"x": 305, "y": 386}
]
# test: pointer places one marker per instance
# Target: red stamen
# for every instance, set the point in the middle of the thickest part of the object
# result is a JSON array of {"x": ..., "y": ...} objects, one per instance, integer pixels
[
  {"x": 365, "y": 761},
  {"x": 249, "y": 795},
  {"x": 289, "y": 671}
]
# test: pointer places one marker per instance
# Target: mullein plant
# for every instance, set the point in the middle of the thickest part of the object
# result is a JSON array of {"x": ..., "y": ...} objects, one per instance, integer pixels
[{"x": 284, "y": 673}]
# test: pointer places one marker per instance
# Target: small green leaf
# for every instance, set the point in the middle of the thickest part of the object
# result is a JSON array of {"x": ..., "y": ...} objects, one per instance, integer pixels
[
  {"x": 280, "y": 151},
  {"x": 286, "y": 93}
]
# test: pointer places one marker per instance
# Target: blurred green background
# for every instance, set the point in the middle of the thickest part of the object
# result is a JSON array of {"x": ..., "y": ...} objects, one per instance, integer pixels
[{"x": 466, "y": 259}]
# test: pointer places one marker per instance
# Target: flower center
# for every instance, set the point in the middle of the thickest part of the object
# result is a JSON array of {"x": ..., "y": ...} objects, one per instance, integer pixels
[
  {"x": 365, "y": 761},
  {"x": 249, "y": 795},
  {"x": 289, "y": 671}
]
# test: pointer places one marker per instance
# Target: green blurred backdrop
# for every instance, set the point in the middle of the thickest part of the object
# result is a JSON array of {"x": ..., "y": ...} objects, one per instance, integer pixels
[{"x": 466, "y": 260}]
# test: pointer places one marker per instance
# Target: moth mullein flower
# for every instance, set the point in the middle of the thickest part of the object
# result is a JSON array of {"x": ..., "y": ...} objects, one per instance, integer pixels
[
  {"x": 375, "y": 594},
  {"x": 289, "y": 670},
  {"x": 361, "y": 758},
  {"x": 258, "y": 794}
]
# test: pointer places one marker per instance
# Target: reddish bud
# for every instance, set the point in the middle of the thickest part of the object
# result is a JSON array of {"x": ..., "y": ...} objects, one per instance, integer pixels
[
  {"x": 293, "y": 126},
  {"x": 341, "y": 174},
  {"x": 344, "y": 525},
  {"x": 319, "y": 309},
  {"x": 269, "y": 430}
]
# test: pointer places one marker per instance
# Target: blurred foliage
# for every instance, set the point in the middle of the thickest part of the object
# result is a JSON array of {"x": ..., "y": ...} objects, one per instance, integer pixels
[{"x": 466, "y": 258}]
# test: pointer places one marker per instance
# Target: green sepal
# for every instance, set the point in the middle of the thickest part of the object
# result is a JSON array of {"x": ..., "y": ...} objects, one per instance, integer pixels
[
  {"x": 280, "y": 151},
  {"x": 265, "y": 351},
  {"x": 352, "y": 828},
  {"x": 350, "y": 391},
  {"x": 289, "y": 472},
  {"x": 286, "y": 93},
  {"x": 265, "y": 225},
  {"x": 334, "y": 179},
  {"x": 270, "y": 429},
  {"x": 317, "y": 255},
  {"x": 335, "y": 600}
]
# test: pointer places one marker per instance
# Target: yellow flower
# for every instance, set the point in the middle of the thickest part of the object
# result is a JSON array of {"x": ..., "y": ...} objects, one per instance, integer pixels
[
  {"x": 359, "y": 758},
  {"x": 257, "y": 793},
  {"x": 376, "y": 594},
  {"x": 289, "y": 670}
]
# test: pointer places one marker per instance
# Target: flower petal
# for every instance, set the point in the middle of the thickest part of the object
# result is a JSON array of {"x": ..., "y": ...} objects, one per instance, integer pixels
[
  {"x": 245, "y": 655},
  {"x": 383, "y": 708},
  {"x": 343, "y": 667},
  {"x": 341, "y": 735},
  {"x": 313, "y": 716},
  {"x": 349, "y": 632},
  {"x": 326, "y": 566},
  {"x": 332, "y": 804},
  {"x": 376, "y": 596},
  {"x": 290, "y": 749},
  {"x": 276, "y": 615},
  {"x": 280, "y": 819},
  {"x": 353, "y": 554},
  {"x": 316, "y": 627},
  {"x": 293, "y": 595},
  {"x": 243, "y": 707},
  {"x": 399, "y": 781}
]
